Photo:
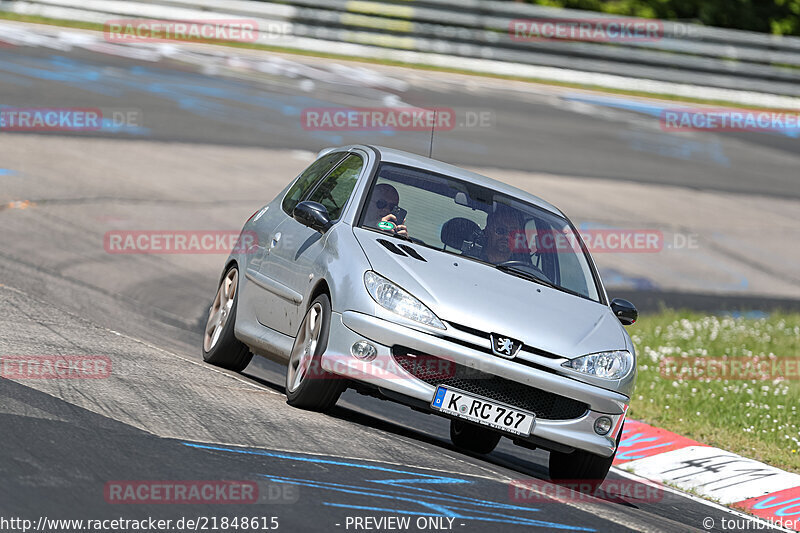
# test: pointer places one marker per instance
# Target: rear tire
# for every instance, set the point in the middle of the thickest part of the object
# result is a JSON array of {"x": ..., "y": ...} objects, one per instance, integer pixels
[
  {"x": 308, "y": 386},
  {"x": 587, "y": 468},
  {"x": 472, "y": 438},
  {"x": 220, "y": 345}
]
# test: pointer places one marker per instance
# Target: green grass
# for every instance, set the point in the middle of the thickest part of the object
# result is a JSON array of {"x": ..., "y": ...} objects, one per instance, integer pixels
[
  {"x": 703, "y": 101},
  {"x": 756, "y": 418}
]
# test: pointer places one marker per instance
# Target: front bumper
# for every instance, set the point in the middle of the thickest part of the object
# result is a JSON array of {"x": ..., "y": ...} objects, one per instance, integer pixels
[{"x": 384, "y": 372}]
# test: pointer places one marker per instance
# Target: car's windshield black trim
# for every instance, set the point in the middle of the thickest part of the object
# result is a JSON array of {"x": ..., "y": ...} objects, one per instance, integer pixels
[
  {"x": 358, "y": 222},
  {"x": 518, "y": 272},
  {"x": 461, "y": 256}
]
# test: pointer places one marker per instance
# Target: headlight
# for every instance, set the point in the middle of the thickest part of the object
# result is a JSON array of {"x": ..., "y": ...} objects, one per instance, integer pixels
[
  {"x": 391, "y": 297},
  {"x": 608, "y": 365}
]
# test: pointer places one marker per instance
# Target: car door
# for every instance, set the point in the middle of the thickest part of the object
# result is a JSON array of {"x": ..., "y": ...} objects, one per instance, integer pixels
[
  {"x": 268, "y": 299},
  {"x": 291, "y": 258}
]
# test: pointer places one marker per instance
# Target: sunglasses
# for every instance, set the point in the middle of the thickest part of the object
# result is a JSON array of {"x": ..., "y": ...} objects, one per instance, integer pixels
[{"x": 382, "y": 204}]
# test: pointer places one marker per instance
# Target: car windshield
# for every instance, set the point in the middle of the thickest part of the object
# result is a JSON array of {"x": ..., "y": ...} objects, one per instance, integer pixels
[{"x": 479, "y": 224}]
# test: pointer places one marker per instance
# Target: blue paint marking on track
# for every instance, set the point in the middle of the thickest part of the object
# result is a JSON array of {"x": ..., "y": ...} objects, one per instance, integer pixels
[
  {"x": 7, "y": 172},
  {"x": 654, "y": 109},
  {"x": 677, "y": 147},
  {"x": 211, "y": 98},
  {"x": 433, "y": 503},
  {"x": 318, "y": 460},
  {"x": 413, "y": 498},
  {"x": 214, "y": 98},
  {"x": 648, "y": 108}
]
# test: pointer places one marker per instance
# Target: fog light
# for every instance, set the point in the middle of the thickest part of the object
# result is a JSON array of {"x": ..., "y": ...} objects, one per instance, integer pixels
[
  {"x": 602, "y": 425},
  {"x": 364, "y": 351}
]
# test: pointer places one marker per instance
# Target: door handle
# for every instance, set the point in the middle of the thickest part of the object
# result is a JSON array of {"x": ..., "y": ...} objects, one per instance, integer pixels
[{"x": 275, "y": 239}]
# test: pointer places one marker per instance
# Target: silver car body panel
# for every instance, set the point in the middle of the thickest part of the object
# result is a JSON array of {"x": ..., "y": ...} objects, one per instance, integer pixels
[{"x": 290, "y": 264}]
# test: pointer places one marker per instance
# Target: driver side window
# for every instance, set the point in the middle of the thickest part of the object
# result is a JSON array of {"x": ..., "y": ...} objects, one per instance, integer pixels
[
  {"x": 334, "y": 191},
  {"x": 307, "y": 179}
]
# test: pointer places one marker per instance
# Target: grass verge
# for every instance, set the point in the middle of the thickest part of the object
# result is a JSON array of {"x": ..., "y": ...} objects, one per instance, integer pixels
[
  {"x": 756, "y": 418},
  {"x": 624, "y": 92}
]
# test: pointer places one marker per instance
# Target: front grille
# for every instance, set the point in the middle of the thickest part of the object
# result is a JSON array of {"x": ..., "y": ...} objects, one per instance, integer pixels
[
  {"x": 484, "y": 335},
  {"x": 438, "y": 371}
]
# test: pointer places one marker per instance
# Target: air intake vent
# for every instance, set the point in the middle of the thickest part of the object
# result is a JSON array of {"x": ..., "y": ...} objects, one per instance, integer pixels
[
  {"x": 391, "y": 247},
  {"x": 438, "y": 371},
  {"x": 412, "y": 252}
]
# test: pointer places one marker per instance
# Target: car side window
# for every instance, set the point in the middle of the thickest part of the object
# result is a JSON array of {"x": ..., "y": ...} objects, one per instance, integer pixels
[
  {"x": 334, "y": 191},
  {"x": 307, "y": 180}
]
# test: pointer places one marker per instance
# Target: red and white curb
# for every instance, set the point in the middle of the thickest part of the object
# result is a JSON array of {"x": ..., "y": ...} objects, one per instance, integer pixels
[{"x": 738, "y": 482}]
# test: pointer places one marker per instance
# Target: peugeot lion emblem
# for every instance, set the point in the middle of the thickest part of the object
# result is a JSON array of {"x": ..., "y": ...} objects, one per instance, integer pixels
[{"x": 505, "y": 346}]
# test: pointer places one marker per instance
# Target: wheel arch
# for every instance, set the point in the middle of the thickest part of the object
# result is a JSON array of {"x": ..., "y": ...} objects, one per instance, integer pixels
[
  {"x": 321, "y": 287},
  {"x": 228, "y": 265}
]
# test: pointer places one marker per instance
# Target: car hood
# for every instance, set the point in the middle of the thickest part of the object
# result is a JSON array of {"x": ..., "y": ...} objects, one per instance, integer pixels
[{"x": 472, "y": 294}]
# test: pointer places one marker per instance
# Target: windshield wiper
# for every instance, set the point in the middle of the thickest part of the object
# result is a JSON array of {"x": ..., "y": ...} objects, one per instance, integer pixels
[
  {"x": 403, "y": 237},
  {"x": 522, "y": 273}
]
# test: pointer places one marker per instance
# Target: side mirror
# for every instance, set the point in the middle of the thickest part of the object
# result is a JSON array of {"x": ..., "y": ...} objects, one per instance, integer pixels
[
  {"x": 312, "y": 214},
  {"x": 625, "y": 311}
]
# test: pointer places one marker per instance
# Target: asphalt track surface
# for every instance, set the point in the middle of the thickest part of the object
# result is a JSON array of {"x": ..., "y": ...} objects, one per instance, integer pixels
[{"x": 162, "y": 414}]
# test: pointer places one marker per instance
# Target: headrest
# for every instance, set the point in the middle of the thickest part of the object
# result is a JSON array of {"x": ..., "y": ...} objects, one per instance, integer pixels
[{"x": 456, "y": 230}]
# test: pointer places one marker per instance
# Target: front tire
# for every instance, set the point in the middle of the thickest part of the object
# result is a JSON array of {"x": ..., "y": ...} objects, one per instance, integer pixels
[
  {"x": 308, "y": 386},
  {"x": 582, "y": 466},
  {"x": 472, "y": 438},
  {"x": 220, "y": 345}
]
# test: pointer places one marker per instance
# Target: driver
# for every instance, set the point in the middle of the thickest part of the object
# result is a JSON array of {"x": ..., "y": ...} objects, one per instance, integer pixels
[
  {"x": 384, "y": 200},
  {"x": 505, "y": 238}
]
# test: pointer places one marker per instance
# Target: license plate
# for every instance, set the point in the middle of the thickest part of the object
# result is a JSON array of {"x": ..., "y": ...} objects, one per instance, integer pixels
[{"x": 482, "y": 411}]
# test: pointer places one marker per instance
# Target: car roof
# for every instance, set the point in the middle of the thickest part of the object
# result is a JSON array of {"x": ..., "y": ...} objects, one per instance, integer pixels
[{"x": 391, "y": 155}]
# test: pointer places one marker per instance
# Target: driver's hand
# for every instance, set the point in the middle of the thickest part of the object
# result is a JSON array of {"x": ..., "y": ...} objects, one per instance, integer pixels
[{"x": 398, "y": 228}]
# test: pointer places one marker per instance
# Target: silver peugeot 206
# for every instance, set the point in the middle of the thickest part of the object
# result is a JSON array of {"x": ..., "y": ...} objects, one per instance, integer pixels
[{"x": 423, "y": 283}]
